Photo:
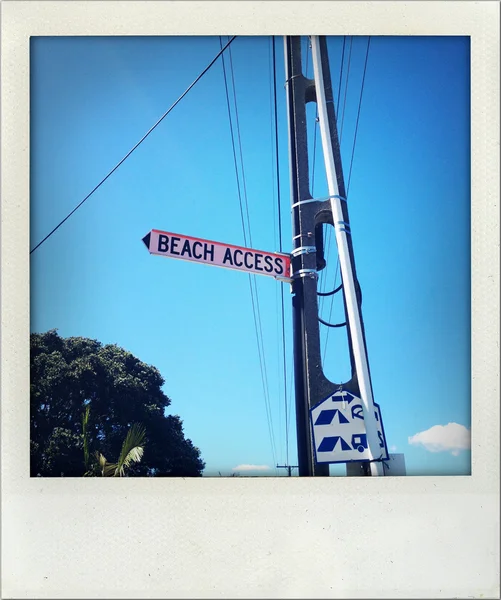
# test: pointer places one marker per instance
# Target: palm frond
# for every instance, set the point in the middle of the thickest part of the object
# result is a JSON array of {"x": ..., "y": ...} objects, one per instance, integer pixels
[
  {"x": 100, "y": 459},
  {"x": 107, "y": 469},
  {"x": 132, "y": 449},
  {"x": 110, "y": 470},
  {"x": 135, "y": 455}
]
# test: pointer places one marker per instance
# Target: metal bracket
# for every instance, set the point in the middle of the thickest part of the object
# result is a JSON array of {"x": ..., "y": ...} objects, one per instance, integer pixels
[
  {"x": 309, "y": 235},
  {"x": 293, "y": 77},
  {"x": 304, "y": 202},
  {"x": 304, "y": 250},
  {"x": 305, "y": 273},
  {"x": 317, "y": 200}
]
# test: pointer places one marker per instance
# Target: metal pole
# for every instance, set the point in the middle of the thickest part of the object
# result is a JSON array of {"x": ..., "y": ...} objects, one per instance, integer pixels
[
  {"x": 308, "y": 215},
  {"x": 309, "y": 380},
  {"x": 342, "y": 231},
  {"x": 305, "y": 463}
]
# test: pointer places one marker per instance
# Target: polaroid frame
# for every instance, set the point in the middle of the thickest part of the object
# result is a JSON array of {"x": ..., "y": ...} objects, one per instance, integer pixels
[{"x": 426, "y": 537}]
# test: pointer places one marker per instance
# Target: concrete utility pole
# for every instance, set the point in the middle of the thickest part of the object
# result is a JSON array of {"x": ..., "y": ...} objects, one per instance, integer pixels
[{"x": 308, "y": 216}]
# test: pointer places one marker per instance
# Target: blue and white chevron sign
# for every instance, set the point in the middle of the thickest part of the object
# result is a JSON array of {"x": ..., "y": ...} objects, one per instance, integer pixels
[{"x": 339, "y": 433}]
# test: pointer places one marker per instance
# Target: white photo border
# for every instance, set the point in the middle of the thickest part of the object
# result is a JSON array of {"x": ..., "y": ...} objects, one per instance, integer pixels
[{"x": 407, "y": 537}]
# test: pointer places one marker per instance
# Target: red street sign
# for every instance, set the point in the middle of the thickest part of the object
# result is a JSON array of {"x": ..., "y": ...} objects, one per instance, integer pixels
[{"x": 185, "y": 247}]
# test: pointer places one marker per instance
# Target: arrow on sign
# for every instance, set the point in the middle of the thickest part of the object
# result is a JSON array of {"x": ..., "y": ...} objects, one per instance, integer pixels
[{"x": 184, "y": 247}]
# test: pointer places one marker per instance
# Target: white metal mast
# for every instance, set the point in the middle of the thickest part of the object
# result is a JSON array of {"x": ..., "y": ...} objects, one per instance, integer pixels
[{"x": 352, "y": 308}]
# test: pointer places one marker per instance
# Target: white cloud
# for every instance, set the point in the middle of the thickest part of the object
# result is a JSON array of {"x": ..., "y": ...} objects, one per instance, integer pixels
[
  {"x": 443, "y": 438},
  {"x": 393, "y": 448},
  {"x": 252, "y": 468}
]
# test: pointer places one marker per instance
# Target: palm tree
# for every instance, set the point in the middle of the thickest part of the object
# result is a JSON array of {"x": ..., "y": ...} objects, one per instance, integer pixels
[{"x": 132, "y": 451}]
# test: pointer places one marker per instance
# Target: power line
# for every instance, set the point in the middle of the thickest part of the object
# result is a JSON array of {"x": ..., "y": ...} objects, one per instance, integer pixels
[
  {"x": 350, "y": 171},
  {"x": 136, "y": 146},
  {"x": 277, "y": 163},
  {"x": 246, "y": 201},
  {"x": 240, "y": 147},
  {"x": 340, "y": 138},
  {"x": 330, "y": 311},
  {"x": 358, "y": 114},
  {"x": 262, "y": 364},
  {"x": 253, "y": 292},
  {"x": 315, "y": 129},
  {"x": 290, "y": 398},
  {"x": 329, "y": 232},
  {"x": 340, "y": 78},
  {"x": 276, "y": 232},
  {"x": 272, "y": 139},
  {"x": 337, "y": 109},
  {"x": 258, "y": 330},
  {"x": 346, "y": 89},
  {"x": 284, "y": 363},
  {"x": 239, "y": 193}
]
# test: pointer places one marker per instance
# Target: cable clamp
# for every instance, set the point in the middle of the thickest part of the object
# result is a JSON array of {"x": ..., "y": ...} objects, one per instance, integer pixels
[
  {"x": 304, "y": 202},
  {"x": 344, "y": 226},
  {"x": 305, "y": 273},
  {"x": 291, "y": 78},
  {"x": 317, "y": 200},
  {"x": 309, "y": 234},
  {"x": 303, "y": 250}
]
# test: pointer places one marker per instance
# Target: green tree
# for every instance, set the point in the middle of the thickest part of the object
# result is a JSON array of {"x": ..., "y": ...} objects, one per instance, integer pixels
[{"x": 75, "y": 376}]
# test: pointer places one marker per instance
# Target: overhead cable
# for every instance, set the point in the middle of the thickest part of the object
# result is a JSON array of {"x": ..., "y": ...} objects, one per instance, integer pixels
[
  {"x": 136, "y": 146},
  {"x": 339, "y": 120},
  {"x": 358, "y": 114},
  {"x": 351, "y": 166},
  {"x": 284, "y": 360},
  {"x": 253, "y": 292},
  {"x": 346, "y": 89}
]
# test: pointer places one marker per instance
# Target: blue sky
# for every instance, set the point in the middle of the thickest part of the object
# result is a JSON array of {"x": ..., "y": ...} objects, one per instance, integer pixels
[{"x": 93, "y": 98}]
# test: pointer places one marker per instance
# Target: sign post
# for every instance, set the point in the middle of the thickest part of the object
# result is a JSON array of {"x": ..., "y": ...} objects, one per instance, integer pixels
[{"x": 336, "y": 422}]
